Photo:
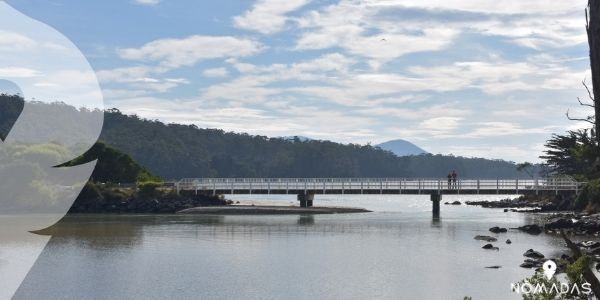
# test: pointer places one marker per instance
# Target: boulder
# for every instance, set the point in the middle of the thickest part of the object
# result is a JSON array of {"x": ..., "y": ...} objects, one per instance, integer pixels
[
  {"x": 485, "y": 238},
  {"x": 527, "y": 264},
  {"x": 456, "y": 203},
  {"x": 493, "y": 267},
  {"x": 508, "y": 241},
  {"x": 533, "y": 254},
  {"x": 497, "y": 229},
  {"x": 490, "y": 247},
  {"x": 531, "y": 229}
]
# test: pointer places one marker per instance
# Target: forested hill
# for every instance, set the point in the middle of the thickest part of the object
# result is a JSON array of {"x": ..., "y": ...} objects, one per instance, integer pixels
[{"x": 175, "y": 151}]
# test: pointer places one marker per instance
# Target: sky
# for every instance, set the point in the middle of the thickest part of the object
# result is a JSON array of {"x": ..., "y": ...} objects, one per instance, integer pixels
[{"x": 475, "y": 78}]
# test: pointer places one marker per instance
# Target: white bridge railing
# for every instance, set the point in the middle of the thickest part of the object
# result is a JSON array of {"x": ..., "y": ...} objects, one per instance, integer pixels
[{"x": 341, "y": 185}]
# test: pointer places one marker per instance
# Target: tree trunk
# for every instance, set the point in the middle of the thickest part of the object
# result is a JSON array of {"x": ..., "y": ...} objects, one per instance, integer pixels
[{"x": 593, "y": 33}]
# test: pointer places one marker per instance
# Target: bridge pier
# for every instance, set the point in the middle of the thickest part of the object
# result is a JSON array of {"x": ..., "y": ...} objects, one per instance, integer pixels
[
  {"x": 435, "y": 202},
  {"x": 306, "y": 200}
]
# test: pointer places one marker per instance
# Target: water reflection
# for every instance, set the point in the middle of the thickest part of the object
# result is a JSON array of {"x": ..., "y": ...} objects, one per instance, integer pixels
[
  {"x": 384, "y": 255},
  {"x": 304, "y": 220}
]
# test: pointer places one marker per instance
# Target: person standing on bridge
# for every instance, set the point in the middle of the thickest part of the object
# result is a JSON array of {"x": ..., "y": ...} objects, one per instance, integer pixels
[
  {"x": 449, "y": 180},
  {"x": 454, "y": 178}
]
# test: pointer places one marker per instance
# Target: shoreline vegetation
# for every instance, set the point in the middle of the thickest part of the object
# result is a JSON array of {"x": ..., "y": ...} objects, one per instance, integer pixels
[
  {"x": 562, "y": 218},
  {"x": 152, "y": 197}
]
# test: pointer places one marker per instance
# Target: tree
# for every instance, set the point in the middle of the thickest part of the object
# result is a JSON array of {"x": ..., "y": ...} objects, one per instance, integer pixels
[
  {"x": 526, "y": 167},
  {"x": 575, "y": 153},
  {"x": 592, "y": 20},
  {"x": 593, "y": 33}
]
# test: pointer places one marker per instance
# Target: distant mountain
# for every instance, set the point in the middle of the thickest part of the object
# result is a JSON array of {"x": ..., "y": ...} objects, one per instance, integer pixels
[{"x": 402, "y": 148}]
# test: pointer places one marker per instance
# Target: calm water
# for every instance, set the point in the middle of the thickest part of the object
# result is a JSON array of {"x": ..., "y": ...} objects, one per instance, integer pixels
[{"x": 397, "y": 252}]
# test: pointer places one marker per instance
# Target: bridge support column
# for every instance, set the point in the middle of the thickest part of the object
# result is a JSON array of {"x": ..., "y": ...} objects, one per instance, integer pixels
[
  {"x": 435, "y": 202},
  {"x": 306, "y": 200}
]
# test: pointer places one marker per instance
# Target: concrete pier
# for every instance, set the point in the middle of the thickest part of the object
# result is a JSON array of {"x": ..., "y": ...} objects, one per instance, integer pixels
[
  {"x": 435, "y": 202},
  {"x": 306, "y": 200}
]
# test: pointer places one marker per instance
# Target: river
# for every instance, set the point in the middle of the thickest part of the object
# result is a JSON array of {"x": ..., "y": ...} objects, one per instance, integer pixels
[{"x": 397, "y": 252}]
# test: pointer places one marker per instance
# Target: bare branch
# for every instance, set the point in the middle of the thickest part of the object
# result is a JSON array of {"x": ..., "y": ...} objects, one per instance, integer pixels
[
  {"x": 588, "y": 91},
  {"x": 585, "y": 104},
  {"x": 589, "y": 119}
]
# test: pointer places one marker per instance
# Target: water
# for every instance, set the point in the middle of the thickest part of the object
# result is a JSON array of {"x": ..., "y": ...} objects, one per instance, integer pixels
[{"x": 396, "y": 252}]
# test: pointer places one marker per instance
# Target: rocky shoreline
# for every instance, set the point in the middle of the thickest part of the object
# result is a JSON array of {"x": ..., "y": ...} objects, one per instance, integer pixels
[{"x": 559, "y": 218}]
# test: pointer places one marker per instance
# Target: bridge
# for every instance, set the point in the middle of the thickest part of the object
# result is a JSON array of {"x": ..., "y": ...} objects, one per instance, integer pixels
[{"x": 307, "y": 188}]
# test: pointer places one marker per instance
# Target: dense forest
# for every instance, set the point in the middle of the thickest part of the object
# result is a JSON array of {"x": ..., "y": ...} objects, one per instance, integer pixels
[{"x": 174, "y": 151}]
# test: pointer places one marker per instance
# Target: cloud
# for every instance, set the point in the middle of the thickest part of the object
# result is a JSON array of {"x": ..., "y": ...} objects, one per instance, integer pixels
[
  {"x": 125, "y": 74},
  {"x": 18, "y": 72},
  {"x": 140, "y": 78},
  {"x": 11, "y": 41},
  {"x": 382, "y": 31},
  {"x": 268, "y": 16},
  {"x": 216, "y": 72},
  {"x": 147, "y": 2},
  {"x": 175, "y": 53}
]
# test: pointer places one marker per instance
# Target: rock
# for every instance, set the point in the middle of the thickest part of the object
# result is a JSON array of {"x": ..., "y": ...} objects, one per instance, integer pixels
[
  {"x": 456, "y": 203},
  {"x": 485, "y": 238},
  {"x": 508, "y": 241},
  {"x": 527, "y": 265},
  {"x": 446, "y": 203},
  {"x": 589, "y": 244},
  {"x": 491, "y": 247},
  {"x": 531, "y": 229},
  {"x": 533, "y": 254},
  {"x": 506, "y": 210},
  {"x": 497, "y": 229},
  {"x": 493, "y": 267}
]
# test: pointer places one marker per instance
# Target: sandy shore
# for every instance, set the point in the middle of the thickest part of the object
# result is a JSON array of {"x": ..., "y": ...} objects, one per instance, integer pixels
[{"x": 269, "y": 210}]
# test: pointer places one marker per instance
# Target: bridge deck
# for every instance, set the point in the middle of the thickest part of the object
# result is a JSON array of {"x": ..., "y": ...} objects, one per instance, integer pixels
[{"x": 377, "y": 186}]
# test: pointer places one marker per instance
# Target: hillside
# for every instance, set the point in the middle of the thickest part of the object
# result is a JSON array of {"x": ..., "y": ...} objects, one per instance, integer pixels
[
  {"x": 402, "y": 148},
  {"x": 176, "y": 151}
]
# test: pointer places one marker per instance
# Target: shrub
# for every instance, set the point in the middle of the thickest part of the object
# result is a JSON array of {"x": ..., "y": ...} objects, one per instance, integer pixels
[
  {"x": 149, "y": 189},
  {"x": 589, "y": 195}
]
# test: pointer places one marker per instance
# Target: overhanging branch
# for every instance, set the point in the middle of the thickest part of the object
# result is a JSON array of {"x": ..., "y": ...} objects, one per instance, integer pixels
[{"x": 589, "y": 119}]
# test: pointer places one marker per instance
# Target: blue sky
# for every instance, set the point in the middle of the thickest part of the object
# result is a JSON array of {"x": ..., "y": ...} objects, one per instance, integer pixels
[{"x": 469, "y": 77}]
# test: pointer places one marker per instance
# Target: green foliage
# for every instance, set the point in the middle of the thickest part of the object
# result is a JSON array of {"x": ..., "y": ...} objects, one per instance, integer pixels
[
  {"x": 149, "y": 189},
  {"x": 574, "y": 275},
  {"x": 113, "y": 166},
  {"x": 540, "y": 278},
  {"x": 576, "y": 269},
  {"x": 174, "y": 151},
  {"x": 589, "y": 194},
  {"x": 575, "y": 154}
]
